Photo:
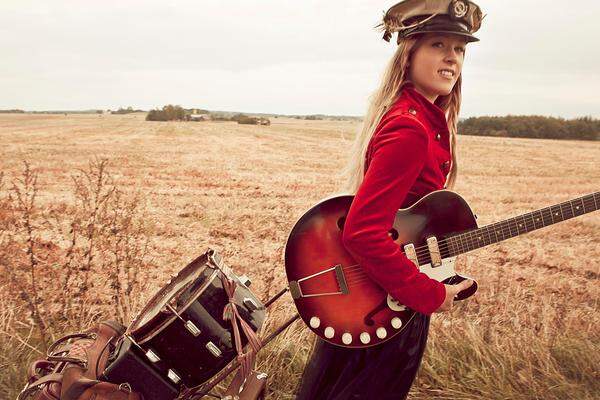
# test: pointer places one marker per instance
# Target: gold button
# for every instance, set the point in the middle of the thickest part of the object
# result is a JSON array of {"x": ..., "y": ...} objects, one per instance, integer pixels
[
  {"x": 412, "y": 111},
  {"x": 438, "y": 136}
]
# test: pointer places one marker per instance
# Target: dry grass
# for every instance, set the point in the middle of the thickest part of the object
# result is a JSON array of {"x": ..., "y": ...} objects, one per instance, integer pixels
[{"x": 100, "y": 234}]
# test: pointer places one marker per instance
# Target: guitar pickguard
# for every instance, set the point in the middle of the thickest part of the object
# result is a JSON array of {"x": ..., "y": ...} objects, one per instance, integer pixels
[{"x": 440, "y": 274}]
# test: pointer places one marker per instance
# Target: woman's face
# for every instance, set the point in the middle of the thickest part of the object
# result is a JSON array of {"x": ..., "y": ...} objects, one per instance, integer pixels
[{"x": 436, "y": 64}]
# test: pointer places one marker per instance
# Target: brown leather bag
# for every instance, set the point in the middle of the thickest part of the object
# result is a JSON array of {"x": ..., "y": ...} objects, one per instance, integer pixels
[{"x": 72, "y": 367}]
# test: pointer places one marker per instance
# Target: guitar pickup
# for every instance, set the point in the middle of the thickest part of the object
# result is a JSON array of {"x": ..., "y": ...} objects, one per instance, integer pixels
[
  {"x": 411, "y": 253},
  {"x": 434, "y": 251}
]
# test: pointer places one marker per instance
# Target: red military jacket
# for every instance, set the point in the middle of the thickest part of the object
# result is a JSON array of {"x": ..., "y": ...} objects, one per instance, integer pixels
[{"x": 407, "y": 158}]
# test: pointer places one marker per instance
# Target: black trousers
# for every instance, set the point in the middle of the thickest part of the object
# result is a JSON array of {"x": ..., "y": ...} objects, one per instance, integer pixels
[{"x": 382, "y": 372}]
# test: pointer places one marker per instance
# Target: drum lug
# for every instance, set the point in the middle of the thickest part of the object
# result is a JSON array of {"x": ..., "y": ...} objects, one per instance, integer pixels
[
  {"x": 215, "y": 257},
  {"x": 152, "y": 356},
  {"x": 250, "y": 304},
  {"x": 245, "y": 280},
  {"x": 214, "y": 350},
  {"x": 193, "y": 329},
  {"x": 173, "y": 376}
]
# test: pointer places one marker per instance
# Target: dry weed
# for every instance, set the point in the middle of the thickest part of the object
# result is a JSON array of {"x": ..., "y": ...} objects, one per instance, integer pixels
[{"x": 531, "y": 332}]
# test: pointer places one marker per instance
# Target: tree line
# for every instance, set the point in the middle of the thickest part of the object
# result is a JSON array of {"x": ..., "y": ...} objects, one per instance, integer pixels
[
  {"x": 167, "y": 113},
  {"x": 532, "y": 126},
  {"x": 128, "y": 110},
  {"x": 178, "y": 113}
]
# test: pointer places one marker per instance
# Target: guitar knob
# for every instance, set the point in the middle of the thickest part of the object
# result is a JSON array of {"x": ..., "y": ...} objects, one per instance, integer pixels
[
  {"x": 315, "y": 322},
  {"x": 365, "y": 337},
  {"x": 329, "y": 332},
  {"x": 396, "y": 323},
  {"x": 381, "y": 332},
  {"x": 347, "y": 338}
]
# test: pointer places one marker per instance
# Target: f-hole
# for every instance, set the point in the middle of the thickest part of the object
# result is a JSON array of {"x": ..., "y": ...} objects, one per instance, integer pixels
[{"x": 340, "y": 223}]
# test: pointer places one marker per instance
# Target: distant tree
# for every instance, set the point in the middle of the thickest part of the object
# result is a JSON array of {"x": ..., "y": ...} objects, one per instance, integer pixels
[
  {"x": 253, "y": 121},
  {"x": 532, "y": 126},
  {"x": 167, "y": 113},
  {"x": 11, "y": 111},
  {"x": 238, "y": 117},
  {"x": 128, "y": 110},
  {"x": 245, "y": 120}
]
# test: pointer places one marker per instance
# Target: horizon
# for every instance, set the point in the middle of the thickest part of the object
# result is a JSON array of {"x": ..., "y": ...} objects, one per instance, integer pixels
[{"x": 138, "y": 110}]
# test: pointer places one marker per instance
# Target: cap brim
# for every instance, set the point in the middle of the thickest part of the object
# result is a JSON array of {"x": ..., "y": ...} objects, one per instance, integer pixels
[{"x": 470, "y": 38}]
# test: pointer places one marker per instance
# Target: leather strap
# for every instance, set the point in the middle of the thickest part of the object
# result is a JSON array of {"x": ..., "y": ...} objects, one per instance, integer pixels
[
  {"x": 32, "y": 387},
  {"x": 78, "y": 387},
  {"x": 52, "y": 354},
  {"x": 82, "y": 390},
  {"x": 116, "y": 326},
  {"x": 230, "y": 312},
  {"x": 39, "y": 365}
]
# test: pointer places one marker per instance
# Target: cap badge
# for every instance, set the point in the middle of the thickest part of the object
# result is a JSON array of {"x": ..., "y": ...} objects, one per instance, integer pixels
[{"x": 458, "y": 9}]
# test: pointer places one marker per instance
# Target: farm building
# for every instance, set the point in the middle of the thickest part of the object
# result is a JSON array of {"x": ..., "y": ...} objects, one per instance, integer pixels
[{"x": 198, "y": 117}]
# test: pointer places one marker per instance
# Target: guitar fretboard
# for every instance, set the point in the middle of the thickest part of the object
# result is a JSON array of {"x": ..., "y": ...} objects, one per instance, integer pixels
[{"x": 497, "y": 232}]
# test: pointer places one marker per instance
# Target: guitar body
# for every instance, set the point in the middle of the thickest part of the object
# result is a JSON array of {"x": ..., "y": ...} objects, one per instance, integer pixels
[{"x": 333, "y": 294}]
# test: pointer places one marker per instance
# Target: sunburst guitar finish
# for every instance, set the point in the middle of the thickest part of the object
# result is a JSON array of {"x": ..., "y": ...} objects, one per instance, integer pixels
[{"x": 342, "y": 305}]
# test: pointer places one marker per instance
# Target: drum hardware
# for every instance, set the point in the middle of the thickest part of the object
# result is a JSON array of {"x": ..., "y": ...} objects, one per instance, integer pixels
[
  {"x": 189, "y": 325},
  {"x": 250, "y": 304},
  {"x": 245, "y": 280},
  {"x": 214, "y": 349},
  {"x": 128, "y": 364},
  {"x": 181, "y": 334},
  {"x": 172, "y": 375},
  {"x": 192, "y": 328},
  {"x": 152, "y": 356},
  {"x": 204, "y": 389},
  {"x": 179, "y": 345}
]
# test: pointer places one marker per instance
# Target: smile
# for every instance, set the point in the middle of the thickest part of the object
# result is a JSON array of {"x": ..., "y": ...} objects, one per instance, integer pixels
[{"x": 446, "y": 73}]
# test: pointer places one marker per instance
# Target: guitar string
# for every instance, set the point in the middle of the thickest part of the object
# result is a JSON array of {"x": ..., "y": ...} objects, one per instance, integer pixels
[
  {"x": 507, "y": 227},
  {"x": 356, "y": 274},
  {"x": 359, "y": 275},
  {"x": 352, "y": 269},
  {"x": 355, "y": 277},
  {"x": 464, "y": 242}
]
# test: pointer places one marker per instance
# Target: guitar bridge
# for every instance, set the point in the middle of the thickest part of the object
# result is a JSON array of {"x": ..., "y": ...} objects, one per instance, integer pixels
[{"x": 296, "y": 290}]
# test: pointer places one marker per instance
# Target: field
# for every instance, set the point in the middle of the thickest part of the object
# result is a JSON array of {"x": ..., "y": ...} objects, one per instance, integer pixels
[{"x": 110, "y": 206}]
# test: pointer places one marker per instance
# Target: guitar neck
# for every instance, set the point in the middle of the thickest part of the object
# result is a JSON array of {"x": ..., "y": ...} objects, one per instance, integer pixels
[{"x": 499, "y": 231}]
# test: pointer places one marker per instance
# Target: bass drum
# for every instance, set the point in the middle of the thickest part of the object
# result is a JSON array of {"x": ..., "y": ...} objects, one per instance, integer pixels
[{"x": 182, "y": 331}]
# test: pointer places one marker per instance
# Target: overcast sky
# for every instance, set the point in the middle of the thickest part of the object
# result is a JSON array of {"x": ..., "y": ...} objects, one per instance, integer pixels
[{"x": 282, "y": 56}]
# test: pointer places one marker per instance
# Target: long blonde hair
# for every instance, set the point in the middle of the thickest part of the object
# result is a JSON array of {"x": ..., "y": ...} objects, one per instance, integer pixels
[{"x": 389, "y": 90}]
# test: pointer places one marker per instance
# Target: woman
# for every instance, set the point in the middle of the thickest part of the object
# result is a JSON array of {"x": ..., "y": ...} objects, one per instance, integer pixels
[{"x": 407, "y": 149}]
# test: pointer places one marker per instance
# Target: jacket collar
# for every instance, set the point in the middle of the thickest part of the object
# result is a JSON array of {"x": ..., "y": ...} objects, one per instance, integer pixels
[{"x": 431, "y": 113}]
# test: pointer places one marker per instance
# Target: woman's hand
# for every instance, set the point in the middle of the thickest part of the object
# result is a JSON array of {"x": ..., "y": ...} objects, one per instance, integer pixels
[{"x": 451, "y": 292}]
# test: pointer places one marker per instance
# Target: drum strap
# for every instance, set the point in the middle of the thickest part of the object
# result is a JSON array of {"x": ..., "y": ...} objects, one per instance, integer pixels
[{"x": 230, "y": 312}]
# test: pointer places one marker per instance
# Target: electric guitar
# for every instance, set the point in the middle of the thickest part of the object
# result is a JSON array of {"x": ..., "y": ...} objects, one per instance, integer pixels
[{"x": 341, "y": 304}]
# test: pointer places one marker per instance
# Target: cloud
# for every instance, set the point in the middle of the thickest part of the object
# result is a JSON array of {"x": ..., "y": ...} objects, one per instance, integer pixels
[{"x": 281, "y": 56}]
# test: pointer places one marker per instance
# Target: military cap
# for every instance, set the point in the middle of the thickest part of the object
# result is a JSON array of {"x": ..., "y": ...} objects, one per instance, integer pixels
[{"x": 412, "y": 17}]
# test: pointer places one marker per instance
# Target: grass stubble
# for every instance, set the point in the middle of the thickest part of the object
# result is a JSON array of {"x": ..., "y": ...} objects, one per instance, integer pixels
[{"x": 97, "y": 212}]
